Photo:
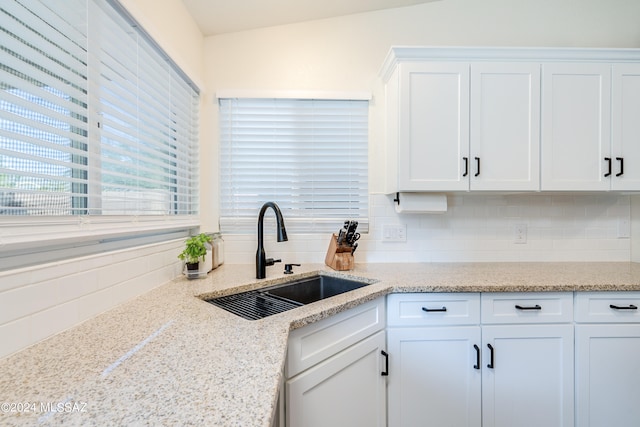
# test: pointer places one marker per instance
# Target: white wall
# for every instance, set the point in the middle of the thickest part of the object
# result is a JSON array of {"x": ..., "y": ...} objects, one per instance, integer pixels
[
  {"x": 346, "y": 53},
  {"x": 175, "y": 30}
]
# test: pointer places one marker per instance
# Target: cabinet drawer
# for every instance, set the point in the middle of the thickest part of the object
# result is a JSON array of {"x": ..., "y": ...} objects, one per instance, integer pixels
[
  {"x": 524, "y": 307},
  {"x": 318, "y": 341},
  {"x": 607, "y": 307},
  {"x": 425, "y": 309}
]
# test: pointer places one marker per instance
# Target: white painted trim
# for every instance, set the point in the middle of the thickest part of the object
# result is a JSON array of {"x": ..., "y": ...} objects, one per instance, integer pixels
[
  {"x": 292, "y": 94},
  {"x": 464, "y": 53}
]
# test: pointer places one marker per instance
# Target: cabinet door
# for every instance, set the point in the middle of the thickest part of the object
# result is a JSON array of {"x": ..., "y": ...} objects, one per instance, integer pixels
[
  {"x": 433, "y": 127},
  {"x": 607, "y": 375},
  {"x": 575, "y": 126},
  {"x": 625, "y": 126},
  {"x": 530, "y": 383},
  {"x": 432, "y": 379},
  {"x": 505, "y": 126},
  {"x": 346, "y": 390}
]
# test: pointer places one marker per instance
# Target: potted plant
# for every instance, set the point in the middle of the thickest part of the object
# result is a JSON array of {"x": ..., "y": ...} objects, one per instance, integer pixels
[{"x": 195, "y": 249}]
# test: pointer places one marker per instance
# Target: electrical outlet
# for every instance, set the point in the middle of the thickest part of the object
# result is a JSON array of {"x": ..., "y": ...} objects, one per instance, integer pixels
[
  {"x": 394, "y": 232},
  {"x": 520, "y": 233}
]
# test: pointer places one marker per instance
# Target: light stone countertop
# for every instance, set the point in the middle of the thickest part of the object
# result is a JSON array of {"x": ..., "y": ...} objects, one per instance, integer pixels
[{"x": 169, "y": 358}]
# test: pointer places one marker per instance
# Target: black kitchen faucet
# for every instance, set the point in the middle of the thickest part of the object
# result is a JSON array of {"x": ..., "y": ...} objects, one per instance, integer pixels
[{"x": 261, "y": 257}]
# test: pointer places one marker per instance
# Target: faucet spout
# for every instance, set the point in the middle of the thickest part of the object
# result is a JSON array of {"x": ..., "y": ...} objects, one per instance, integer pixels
[{"x": 261, "y": 257}]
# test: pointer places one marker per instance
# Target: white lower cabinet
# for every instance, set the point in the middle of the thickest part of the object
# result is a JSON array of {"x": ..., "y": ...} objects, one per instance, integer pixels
[
  {"x": 527, "y": 376},
  {"x": 433, "y": 381},
  {"x": 336, "y": 370},
  {"x": 345, "y": 390},
  {"x": 434, "y": 356},
  {"x": 527, "y": 372},
  {"x": 510, "y": 367},
  {"x": 470, "y": 360},
  {"x": 607, "y": 359}
]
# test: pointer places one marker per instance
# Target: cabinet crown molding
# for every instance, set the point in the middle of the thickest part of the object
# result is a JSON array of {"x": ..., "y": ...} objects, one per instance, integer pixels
[{"x": 399, "y": 54}]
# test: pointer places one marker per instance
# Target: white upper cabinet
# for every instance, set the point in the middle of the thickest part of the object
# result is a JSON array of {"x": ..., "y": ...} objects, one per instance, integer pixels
[
  {"x": 512, "y": 119},
  {"x": 433, "y": 126},
  {"x": 625, "y": 127},
  {"x": 468, "y": 126},
  {"x": 576, "y": 126},
  {"x": 505, "y": 126}
]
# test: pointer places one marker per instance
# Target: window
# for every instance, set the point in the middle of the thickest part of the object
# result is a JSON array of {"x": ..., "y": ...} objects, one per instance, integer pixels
[
  {"x": 98, "y": 128},
  {"x": 308, "y": 156}
]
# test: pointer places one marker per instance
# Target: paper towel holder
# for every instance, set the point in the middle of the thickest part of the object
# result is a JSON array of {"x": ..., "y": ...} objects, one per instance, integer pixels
[{"x": 420, "y": 202}]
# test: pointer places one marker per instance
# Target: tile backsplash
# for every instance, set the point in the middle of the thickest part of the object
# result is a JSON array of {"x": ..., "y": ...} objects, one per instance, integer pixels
[{"x": 475, "y": 228}]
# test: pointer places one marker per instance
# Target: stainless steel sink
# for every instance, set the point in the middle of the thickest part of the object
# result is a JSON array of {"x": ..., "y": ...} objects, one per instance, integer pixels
[{"x": 260, "y": 303}]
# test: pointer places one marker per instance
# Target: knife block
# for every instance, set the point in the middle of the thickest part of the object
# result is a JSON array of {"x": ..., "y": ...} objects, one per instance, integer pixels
[{"x": 339, "y": 257}]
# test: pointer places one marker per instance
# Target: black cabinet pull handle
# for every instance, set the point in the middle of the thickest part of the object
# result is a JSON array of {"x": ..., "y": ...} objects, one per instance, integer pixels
[
  {"x": 431, "y": 310},
  {"x": 490, "y": 365},
  {"x": 385, "y": 373},
  {"x": 535, "y": 307},
  {"x": 617, "y": 307},
  {"x": 466, "y": 166},
  {"x": 621, "y": 160},
  {"x": 477, "y": 365},
  {"x": 608, "y": 159},
  {"x": 477, "y": 166}
]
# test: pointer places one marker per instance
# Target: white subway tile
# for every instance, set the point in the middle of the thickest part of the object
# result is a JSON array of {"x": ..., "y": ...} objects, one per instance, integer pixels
[
  {"x": 47, "y": 323},
  {"x": 93, "y": 304},
  {"x": 21, "y": 302},
  {"x": 14, "y": 336},
  {"x": 76, "y": 285},
  {"x": 14, "y": 279}
]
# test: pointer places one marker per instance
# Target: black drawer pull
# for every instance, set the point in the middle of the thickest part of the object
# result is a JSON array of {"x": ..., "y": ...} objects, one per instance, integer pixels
[
  {"x": 535, "y": 307},
  {"x": 477, "y": 365},
  {"x": 617, "y": 307},
  {"x": 621, "y": 160},
  {"x": 490, "y": 365},
  {"x": 608, "y": 160},
  {"x": 477, "y": 166},
  {"x": 466, "y": 166},
  {"x": 432, "y": 310},
  {"x": 385, "y": 373}
]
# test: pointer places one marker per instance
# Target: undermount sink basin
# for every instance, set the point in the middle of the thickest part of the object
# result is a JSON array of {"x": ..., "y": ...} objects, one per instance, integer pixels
[
  {"x": 316, "y": 288},
  {"x": 260, "y": 303}
]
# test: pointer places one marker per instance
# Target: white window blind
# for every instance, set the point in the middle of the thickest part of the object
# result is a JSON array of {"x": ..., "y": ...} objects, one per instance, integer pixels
[
  {"x": 308, "y": 156},
  {"x": 43, "y": 107},
  {"x": 98, "y": 128},
  {"x": 147, "y": 115}
]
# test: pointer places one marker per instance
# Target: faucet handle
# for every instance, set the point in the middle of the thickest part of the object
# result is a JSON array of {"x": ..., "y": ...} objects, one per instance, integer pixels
[{"x": 271, "y": 261}]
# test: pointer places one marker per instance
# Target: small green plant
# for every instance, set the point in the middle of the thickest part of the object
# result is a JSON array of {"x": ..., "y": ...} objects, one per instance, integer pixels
[{"x": 195, "y": 248}]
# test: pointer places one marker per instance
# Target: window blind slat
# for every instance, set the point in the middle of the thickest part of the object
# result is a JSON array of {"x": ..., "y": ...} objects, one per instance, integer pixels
[
  {"x": 42, "y": 70},
  {"x": 62, "y": 31}
]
